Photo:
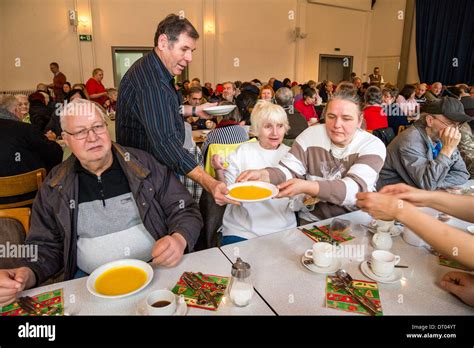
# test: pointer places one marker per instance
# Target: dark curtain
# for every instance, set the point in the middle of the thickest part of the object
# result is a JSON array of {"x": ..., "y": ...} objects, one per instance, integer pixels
[{"x": 444, "y": 39}]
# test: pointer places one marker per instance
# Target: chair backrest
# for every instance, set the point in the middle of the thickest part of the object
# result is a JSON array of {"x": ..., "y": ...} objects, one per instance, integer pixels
[
  {"x": 20, "y": 214},
  {"x": 223, "y": 150},
  {"x": 384, "y": 134},
  {"x": 19, "y": 185}
]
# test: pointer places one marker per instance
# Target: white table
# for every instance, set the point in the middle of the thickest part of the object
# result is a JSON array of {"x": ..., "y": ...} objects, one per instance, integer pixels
[
  {"x": 291, "y": 289},
  {"x": 79, "y": 301}
]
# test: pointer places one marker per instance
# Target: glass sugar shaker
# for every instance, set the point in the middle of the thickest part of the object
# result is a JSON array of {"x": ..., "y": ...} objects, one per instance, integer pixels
[{"x": 240, "y": 288}]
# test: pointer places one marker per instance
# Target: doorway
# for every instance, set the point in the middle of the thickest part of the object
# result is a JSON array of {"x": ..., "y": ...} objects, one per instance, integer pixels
[{"x": 335, "y": 68}]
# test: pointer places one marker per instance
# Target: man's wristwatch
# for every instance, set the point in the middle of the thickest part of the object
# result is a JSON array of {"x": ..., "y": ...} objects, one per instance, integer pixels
[{"x": 194, "y": 111}]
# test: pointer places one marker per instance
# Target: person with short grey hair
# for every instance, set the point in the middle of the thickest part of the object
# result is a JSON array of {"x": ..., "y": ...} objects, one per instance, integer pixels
[
  {"x": 297, "y": 122},
  {"x": 9, "y": 103}
]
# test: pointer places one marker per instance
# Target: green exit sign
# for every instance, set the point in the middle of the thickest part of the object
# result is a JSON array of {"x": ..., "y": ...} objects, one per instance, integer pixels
[{"x": 85, "y": 37}]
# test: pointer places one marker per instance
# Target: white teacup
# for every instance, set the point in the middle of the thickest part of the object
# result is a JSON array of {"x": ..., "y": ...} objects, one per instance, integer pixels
[
  {"x": 321, "y": 253},
  {"x": 412, "y": 238},
  {"x": 161, "y": 302},
  {"x": 384, "y": 225},
  {"x": 383, "y": 262}
]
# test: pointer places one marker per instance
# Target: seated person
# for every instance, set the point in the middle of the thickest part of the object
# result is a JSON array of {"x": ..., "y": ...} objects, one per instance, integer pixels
[
  {"x": 420, "y": 93},
  {"x": 406, "y": 101},
  {"x": 331, "y": 161},
  {"x": 195, "y": 98},
  {"x": 374, "y": 115},
  {"x": 435, "y": 92},
  {"x": 426, "y": 155},
  {"x": 397, "y": 119},
  {"x": 306, "y": 105},
  {"x": 40, "y": 113},
  {"x": 267, "y": 93},
  {"x": 23, "y": 108},
  {"x": 23, "y": 149},
  {"x": 297, "y": 122},
  {"x": 111, "y": 103},
  {"x": 228, "y": 131},
  {"x": 326, "y": 90},
  {"x": 105, "y": 203},
  {"x": 247, "y": 221},
  {"x": 399, "y": 202}
]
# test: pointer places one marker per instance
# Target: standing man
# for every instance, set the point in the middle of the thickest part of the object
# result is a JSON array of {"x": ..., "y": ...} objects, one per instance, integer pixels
[
  {"x": 59, "y": 80},
  {"x": 150, "y": 114},
  {"x": 376, "y": 77}
]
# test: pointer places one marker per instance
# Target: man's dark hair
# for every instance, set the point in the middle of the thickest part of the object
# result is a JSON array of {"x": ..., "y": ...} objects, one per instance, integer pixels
[
  {"x": 407, "y": 91},
  {"x": 309, "y": 92},
  {"x": 173, "y": 25},
  {"x": 55, "y": 64}
]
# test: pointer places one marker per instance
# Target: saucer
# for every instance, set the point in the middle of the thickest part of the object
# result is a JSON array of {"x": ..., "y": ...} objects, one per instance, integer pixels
[
  {"x": 393, "y": 278},
  {"x": 395, "y": 231},
  {"x": 335, "y": 266},
  {"x": 181, "y": 307}
]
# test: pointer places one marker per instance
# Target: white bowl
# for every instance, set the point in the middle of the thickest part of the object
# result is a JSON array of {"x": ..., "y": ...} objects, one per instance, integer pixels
[
  {"x": 262, "y": 184},
  {"x": 220, "y": 110},
  {"x": 126, "y": 262}
]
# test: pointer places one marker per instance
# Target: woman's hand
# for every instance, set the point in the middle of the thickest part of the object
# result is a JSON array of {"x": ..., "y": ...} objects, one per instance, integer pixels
[
  {"x": 294, "y": 187},
  {"x": 217, "y": 162},
  {"x": 254, "y": 175},
  {"x": 378, "y": 205},
  {"x": 460, "y": 284},
  {"x": 408, "y": 193}
]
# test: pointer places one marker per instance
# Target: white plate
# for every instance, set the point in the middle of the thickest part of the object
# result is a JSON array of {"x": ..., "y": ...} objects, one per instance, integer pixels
[
  {"x": 395, "y": 231},
  {"x": 205, "y": 131},
  {"x": 393, "y": 278},
  {"x": 263, "y": 184},
  {"x": 220, "y": 110},
  {"x": 181, "y": 307},
  {"x": 335, "y": 266},
  {"x": 470, "y": 229},
  {"x": 126, "y": 262}
]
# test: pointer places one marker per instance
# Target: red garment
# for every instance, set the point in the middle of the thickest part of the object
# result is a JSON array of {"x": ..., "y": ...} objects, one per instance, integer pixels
[
  {"x": 94, "y": 87},
  {"x": 375, "y": 117},
  {"x": 58, "y": 82},
  {"x": 308, "y": 111}
]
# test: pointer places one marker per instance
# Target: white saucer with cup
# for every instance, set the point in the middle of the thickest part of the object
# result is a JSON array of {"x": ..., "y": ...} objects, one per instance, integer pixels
[
  {"x": 160, "y": 302},
  {"x": 322, "y": 254},
  {"x": 383, "y": 263}
]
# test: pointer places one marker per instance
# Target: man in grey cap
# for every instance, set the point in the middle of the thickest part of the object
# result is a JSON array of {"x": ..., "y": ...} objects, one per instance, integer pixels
[{"x": 426, "y": 155}]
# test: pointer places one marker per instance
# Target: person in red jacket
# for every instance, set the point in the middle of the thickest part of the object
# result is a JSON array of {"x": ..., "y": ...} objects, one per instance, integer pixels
[
  {"x": 374, "y": 114},
  {"x": 59, "y": 80},
  {"x": 306, "y": 105},
  {"x": 95, "y": 88}
]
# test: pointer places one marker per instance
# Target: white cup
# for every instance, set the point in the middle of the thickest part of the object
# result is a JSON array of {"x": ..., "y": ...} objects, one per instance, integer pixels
[
  {"x": 161, "y": 296},
  {"x": 383, "y": 262},
  {"x": 321, "y": 253},
  {"x": 384, "y": 225}
]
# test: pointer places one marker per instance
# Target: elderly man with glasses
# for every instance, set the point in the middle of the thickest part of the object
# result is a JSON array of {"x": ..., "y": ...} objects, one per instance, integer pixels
[
  {"x": 426, "y": 155},
  {"x": 105, "y": 203}
]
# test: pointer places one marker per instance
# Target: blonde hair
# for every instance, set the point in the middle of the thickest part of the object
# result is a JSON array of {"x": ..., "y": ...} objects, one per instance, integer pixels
[
  {"x": 266, "y": 112},
  {"x": 96, "y": 70}
]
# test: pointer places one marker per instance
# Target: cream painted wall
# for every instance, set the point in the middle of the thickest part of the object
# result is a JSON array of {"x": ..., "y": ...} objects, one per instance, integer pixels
[
  {"x": 257, "y": 32},
  {"x": 37, "y": 32},
  {"x": 253, "y": 39},
  {"x": 385, "y": 38},
  {"x": 330, "y": 27}
]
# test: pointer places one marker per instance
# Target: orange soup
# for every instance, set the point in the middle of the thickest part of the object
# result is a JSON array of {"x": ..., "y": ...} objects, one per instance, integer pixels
[
  {"x": 250, "y": 192},
  {"x": 120, "y": 280}
]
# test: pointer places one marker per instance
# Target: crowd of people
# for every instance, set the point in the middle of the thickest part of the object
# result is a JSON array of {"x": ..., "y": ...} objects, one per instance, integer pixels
[{"x": 334, "y": 143}]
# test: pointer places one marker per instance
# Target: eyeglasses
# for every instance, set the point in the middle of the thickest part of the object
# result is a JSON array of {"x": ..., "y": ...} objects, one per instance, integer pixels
[
  {"x": 456, "y": 125},
  {"x": 82, "y": 134}
]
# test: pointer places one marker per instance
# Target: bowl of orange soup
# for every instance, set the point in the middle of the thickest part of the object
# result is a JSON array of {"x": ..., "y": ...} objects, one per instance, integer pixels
[
  {"x": 252, "y": 191},
  {"x": 119, "y": 278}
]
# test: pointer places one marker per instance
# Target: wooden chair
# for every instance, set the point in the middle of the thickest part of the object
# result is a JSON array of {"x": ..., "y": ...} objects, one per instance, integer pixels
[
  {"x": 20, "y": 214},
  {"x": 19, "y": 185}
]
